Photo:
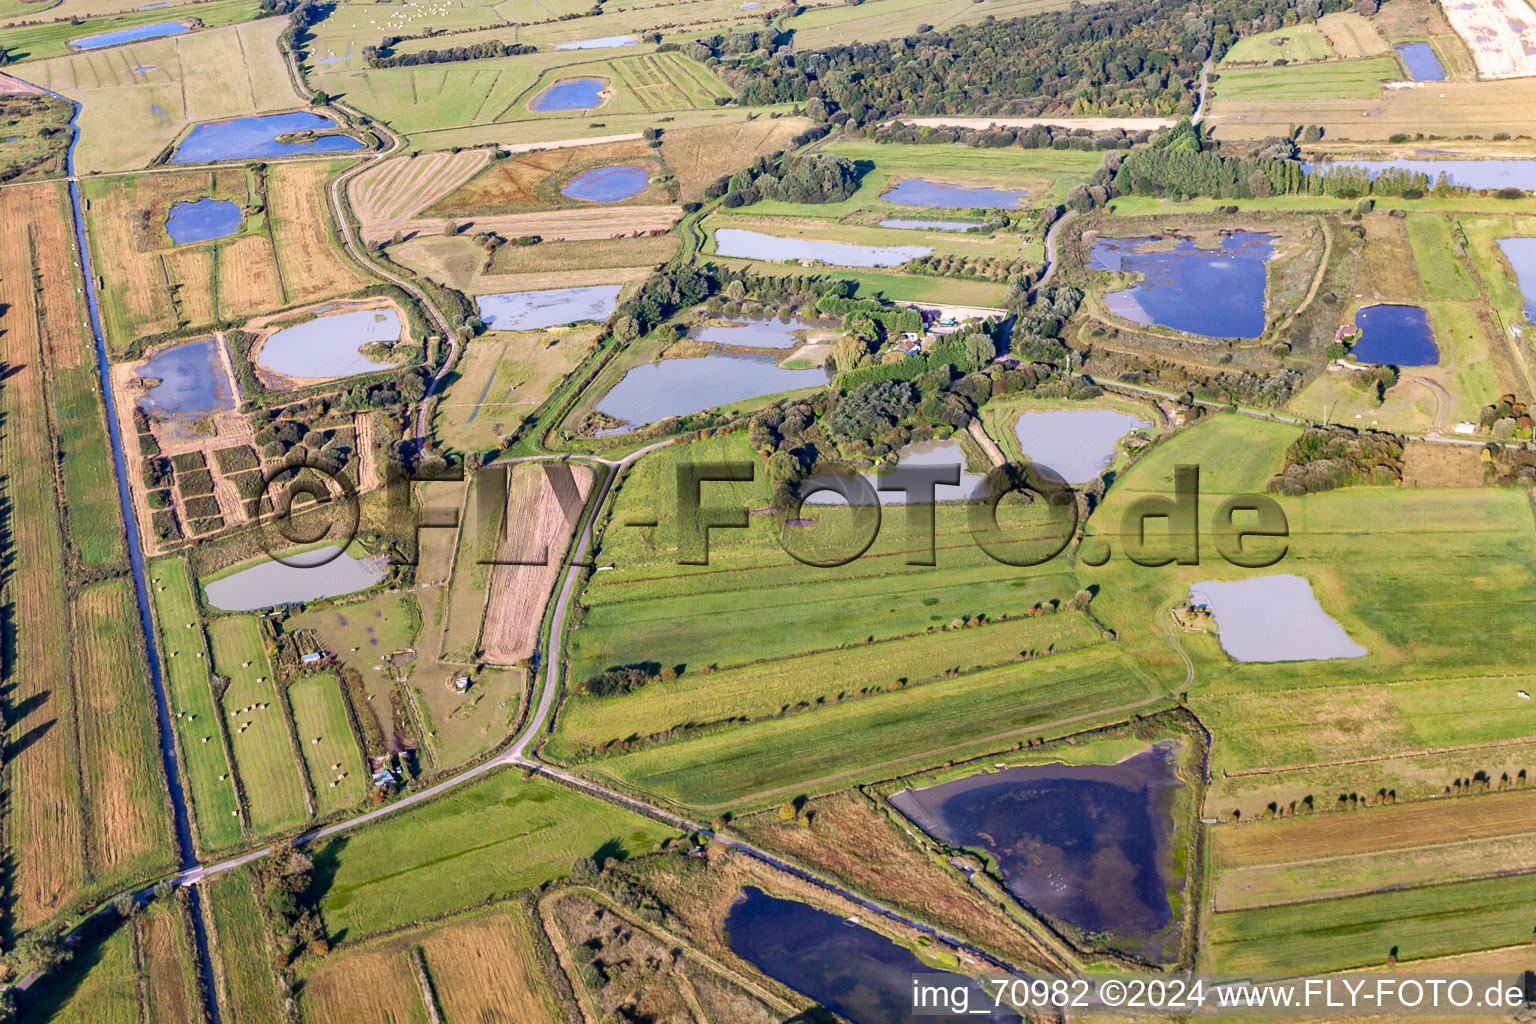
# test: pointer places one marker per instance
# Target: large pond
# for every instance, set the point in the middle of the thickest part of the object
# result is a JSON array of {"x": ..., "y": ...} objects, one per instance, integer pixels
[
  {"x": 1482, "y": 174},
  {"x": 1086, "y": 844},
  {"x": 1521, "y": 253},
  {"x": 924, "y": 455},
  {"x": 599, "y": 43},
  {"x": 922, "y": 192},
  {"x": 531, "y": 311},
  {"x": 851, "y": 970},
  {"x": 1273, "y": 618},
  {"x": 571, "y": 94},
  {"x": 676, "y": 387},
  {"x": 608, "y": 184},
  {"x": 192, "y": 381},
  {"x": 756, "y": 333},
  {"x": 1217, "y": 292},
  {"x": 129, "y": 35},
  {"x": 243, "y": 138},
  {"x": 1075, "y": 444},
  {"x": 754, "y": 245},
  {"x": 329, "y": 345},
  {"x": 1395, "y": 335},
  {"x": 204, "y": 219},
  {"x": 1421, "y": 61},
  {"x": 324, "y": 572},
  {"x": 912, "y": 224}
]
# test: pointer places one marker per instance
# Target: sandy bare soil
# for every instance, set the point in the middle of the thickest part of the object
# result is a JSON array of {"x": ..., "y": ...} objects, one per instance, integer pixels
[
  {"x": 560, "y": 225},
  {"x": 387, "y": 194},
  {"x": 1093, "y": 124},
  {"x": 1500, "y": 33},
  {"x": 16, "y": 87}
]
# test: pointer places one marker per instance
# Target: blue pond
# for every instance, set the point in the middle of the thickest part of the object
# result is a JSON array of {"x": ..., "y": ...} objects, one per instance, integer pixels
[
  {"x": 930, "y": 225},
  {"x": 597, "y": 44},
  {"x": 244, "y": 137},
  {"x": 330, "y": 345},
  {"x": 192, "y": 381},
  {"x": 851, "y": 970},
  {"x": 531, "y": 311},
  {"x": 129, "y": 35},
  {"x": 608, "y": 184},
  {"x": 676, "y": 387},
  {"x": 922, "y": 192},
  {"x": 754, "y": 245},
  {"x": 201, "y": 220},
  {"x": 571, "y": 94},
  {"x": 1216, "y": 293},
  {"x": 1422, "y": 64},
  {"x": 1521, "y": 253},
  {"x": 1396, "y": 335},
  {"x": 1489, "y": 174}
]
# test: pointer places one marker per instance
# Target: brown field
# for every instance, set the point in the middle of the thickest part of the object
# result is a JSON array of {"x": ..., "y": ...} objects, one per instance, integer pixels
[
  {"x": 166, "y": 964},
  {"x": 541, "y": 522},
  {"x": 565, "y": 224},
  {"x": 529, "y": 181},
  {"x": 59, "y": 287},
  {"x": 388, "y": 194},
  {"x": 312, "y": 262},
  {"x": 1426, "y": 464},
  {"x": 482, "y": 970},
  {"x": 699, "y": 155},
  {"x": 1352, "y": 35},
  {"x": 501, "y": 377},
  {"x": 1437, "y": 109},
  {"x": 374, "y": 987},
  {"x": 604, "y": 254},
  {"x": 248, "y": 279}
]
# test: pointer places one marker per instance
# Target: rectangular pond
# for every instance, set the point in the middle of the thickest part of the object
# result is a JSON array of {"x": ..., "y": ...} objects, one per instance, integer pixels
[
  {"x": 324, "y": 572},
  {"x": 599, "y": 43},
  {"x": 192, "y": 381},
  {"x": 1421, "y": 61},
  {"x": 1521, "y": 253},
  {"x": 1215, "y": 293},
  {"x": 676, "y": 387},
  {"x": 129, "y": 35},
  {"x": 754, "y": 245},
  {"x": 331, "y": 345},
  {"x": 552, "y": 307},
  {"x": 944, "y": 195},
  {"x": 911, "y": 224},
  {"x": 1089, "y": 844},
  {"x": 751, "y": 332},
  {"x": 200, "y": 221},
  {"x": 571, "y": 94},
  {"x": 1273, "y": 618},
  {"x": 1466, "y": 173},
  {"x": 243, "y": 138},
  {"x": 1074, "y": 444},
  {"x": 1395, "y": 335}
]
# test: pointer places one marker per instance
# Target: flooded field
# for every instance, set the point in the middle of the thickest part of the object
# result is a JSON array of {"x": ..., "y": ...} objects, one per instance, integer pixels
[
  {"x": 192, "y": 381},
  {"x": 1521, "y": 253},
  {"x": 326, "y": 572},
  {"x": 754, "y": 245},
  {"x": 754, "y": 333},
  {"x": 608, "y": 184},
  {"x": 202, "y": 220},
  {"x": 1216, "y": 293},
  {"x": 243, "y": 138},
  {"x": 553, "y": 307},
  {"x": 571, "y": 94},
  {"x": 599, "y": 43},
  {"x": 330, "y": 345},
  {"x": 1421, "y": 61},
  {"x": 1076, "y": 444},
  {"x": 1273, "y": 618},
  {"x": 1469, "y": 173},
  {"x": 929, "y": 225},
  {"x": 1395, "y": 335},
  {"x": 129, "y": 35},
  {"x": 922, "y": 192},
  {"x": 1086, "y": 844},
  {"x": 676, "y": 387}
]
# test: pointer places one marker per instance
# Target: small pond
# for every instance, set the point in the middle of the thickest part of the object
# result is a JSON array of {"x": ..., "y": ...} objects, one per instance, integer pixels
[
  {"x": 1421, "y": 61},
  {"x": 597, "y": 44},
  {"x": 922, "y": 192},
  {"x": 930, "y": 225},
  {"x": 242, "y": 138},
  {"x": 851, "y": 970},
  {"x": 192, "y": 381},
  {"x": 1273, "y": 618},
  {"x": 531, "y": 311},
  {"x": 1217, "y": 293},
  {"x": 754, "y": 245},
  {"x": 1521, "y": 253},
  {"x": 1087, "y": 844},
  {"x": 925, "y": 454},
  {"x": 330, "y": 345},
  {"x": 324, "y": 572},
  {"x": 1075, "y": 444},
  {"x": 608, "y": 184},
  {"x": 1468, "y": 173},
  {"x": 129, "y": 35},
  {"x": 750, "y": 332},
  {"x": 1395, "y": 335},
  {"x": 676, "y": 387},
  {"x": 202, "y": 220},
  {"x": 571, "y": 94}
]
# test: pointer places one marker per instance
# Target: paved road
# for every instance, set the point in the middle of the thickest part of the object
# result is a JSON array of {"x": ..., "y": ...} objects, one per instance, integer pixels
[{"x": 1205, "y": 77}]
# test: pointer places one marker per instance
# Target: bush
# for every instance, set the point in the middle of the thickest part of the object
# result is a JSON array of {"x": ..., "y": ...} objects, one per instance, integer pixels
[{"x": 620, "y": 679}]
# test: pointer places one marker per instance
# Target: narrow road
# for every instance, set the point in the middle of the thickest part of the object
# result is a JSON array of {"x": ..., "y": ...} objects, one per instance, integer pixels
[
  {"x": 1050, "y": 254},
  {"x": 1205, "y": 79}
]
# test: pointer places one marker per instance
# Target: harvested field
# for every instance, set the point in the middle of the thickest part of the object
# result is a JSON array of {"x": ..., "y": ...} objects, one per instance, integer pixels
[
  {"x": 1352, "y": 35},
  {"x": 531, "y": 181},
  {"x": 364, "y": 988},
  {"x": 543, "y": 506},
  {"x": 484, "y": 969},
  {"x": 1442, "y": 465},
  {"x": 319, "y": 714},
  {"x": 1500, "y": 33},
  {"x": 243, "y": 970},
  {"x": 500, "y": 379},
  {"x": 605, "y": 254},
  {"x": 392, "y": 191},
  {"x": 1444, "y": 109},
  {"x": 618, "y": 222},
  {"x": 700, "y": 154},
  {"x": 312, "y": 262},
  {"x": 167, "y": 963}
]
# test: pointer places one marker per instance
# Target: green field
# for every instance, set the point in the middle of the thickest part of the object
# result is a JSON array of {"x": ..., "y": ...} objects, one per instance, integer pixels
[
  {"x": 1342, "y": 79},
  {"x": 90, "y": 503},
  {"x": 1440, "y": 265},
  {"x": 209, "y": 782},
  {"x": 490, "y": 839},
  {"x": 318, "y": 713},
  {"x": 96, "y": 986},
  {"x": 246, "y": 991},
  {"x": 1294, "y": 43},
  {"x": 52, "y": 38}
]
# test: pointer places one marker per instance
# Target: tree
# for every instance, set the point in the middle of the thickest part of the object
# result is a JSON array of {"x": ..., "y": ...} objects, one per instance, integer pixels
[
  {"x": 626, "y": 328},
  {"x": 583, "y": 871},
  {"x": 126, "y": 906}
]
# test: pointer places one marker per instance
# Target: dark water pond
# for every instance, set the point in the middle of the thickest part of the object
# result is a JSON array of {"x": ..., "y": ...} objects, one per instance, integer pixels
[
  {"x": 929, "y": 225},
  {"x": 552, "y": 307},
  {"x": 597, "y": 44},
  {"x": 324, "y": 572},
  {"x": 922, "y": 192},
  {"x": 755, "y": 333},
  {"x": 201, "y": 220},
  {"x": 1421, "y": 61},
  {"x": 1396, "y": 335},
  {"x": 329, "y": 346},
  {"x": 1217, "y": 293},
  {"x": 257, "y": 136},
  {"x": 129, "y": 35},
  {"x": 851, "y": 970},
  {"x": 1469, "y": 173},
  {"x": 608, "y": 184},
  {"x": 1087, "y": 844},
  {"x": 192, "y": 381},
  {"x": 571, "y": 94},
  {"x": 676, "y": 387},
  {"x": 1521, "y": 253},
  {"x": 754, "y": 245},
  {"x": 1075, "y": 444}
]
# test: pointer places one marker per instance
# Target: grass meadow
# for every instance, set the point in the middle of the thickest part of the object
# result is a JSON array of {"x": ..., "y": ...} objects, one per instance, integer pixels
[
  {"x": 498, "y": 382},
  {"x": 52, "y": 38},
  {"x": 247, "y": 992},
  {"x": 319, "y": 714},
  {"x": 1295, "y": 44},
  {"x": 1343, "y": 79},
  {"x": 98, "y": 985},
  {"x": 167, "y": 962}
]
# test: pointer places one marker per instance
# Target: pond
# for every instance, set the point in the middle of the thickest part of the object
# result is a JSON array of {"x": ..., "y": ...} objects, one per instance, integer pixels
[
  {"x": 192, "y": 381},
  {"x": 750, "y": 332},
  {"x": 676, "y": 387},
  {"x": 531, "y": 311},
  {"x": 1521, "y": 253},
  {"x": 851, "y": 970},
  {"x": 597, "y": 44},
  {"x": 1273, "y": 618},
  {"x": 922, "y": 192},
  {"x": 204, "y": 219},
  {"x": 1075, "y": 444},
  {"x": 1395, "y": 335},
  {"x": 571, "y": 94},
  {"x": 1468, "y": 173},
  {"x": 930, "y": 225},
  {"x": 608, "y": 184},
  {"x": 257, "y": 136},
  {"x": 1216, "y": 293},
  {"x": 330, "y": 345},
  {"x": 1089, "y": 844},
  {"x": 1421, "y": 61},
  {"x": 129, "y": 35},
  {"x": 926, "y": 454},
  {"x": 754, "y": 245},
  {"x": 324, "y": 572}
]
